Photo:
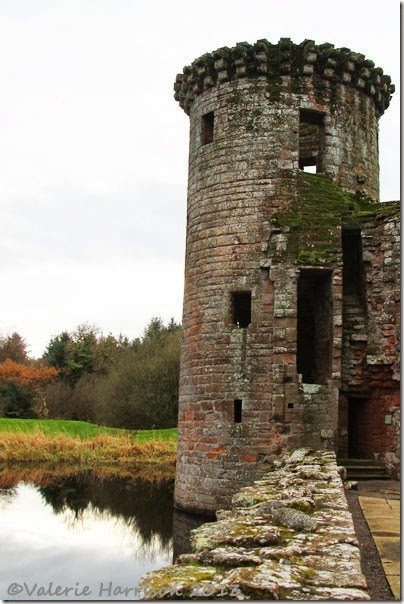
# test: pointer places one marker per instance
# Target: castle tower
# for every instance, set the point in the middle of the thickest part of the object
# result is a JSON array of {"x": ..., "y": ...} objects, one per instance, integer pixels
[{"x": 268, "y": 248}]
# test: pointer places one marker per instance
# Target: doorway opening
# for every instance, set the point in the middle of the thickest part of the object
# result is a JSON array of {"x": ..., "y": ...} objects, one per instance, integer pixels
[
  {"x": 314, "y": 326},
  {"x": 358, "y": 412}
]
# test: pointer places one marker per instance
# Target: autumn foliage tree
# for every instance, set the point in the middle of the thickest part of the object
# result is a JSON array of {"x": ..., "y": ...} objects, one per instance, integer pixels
[{"x": 22, "y": 388}]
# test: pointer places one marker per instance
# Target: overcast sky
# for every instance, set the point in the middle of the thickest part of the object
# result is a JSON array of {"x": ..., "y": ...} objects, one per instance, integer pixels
[{"x": 94, "y": 149}]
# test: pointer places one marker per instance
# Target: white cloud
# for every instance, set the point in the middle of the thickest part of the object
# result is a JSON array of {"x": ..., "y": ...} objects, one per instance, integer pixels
[{"x": 93, "y": 148}]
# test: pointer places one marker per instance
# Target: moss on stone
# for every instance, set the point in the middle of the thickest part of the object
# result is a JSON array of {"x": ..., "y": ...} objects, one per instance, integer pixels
[
  {"x": 177, "y": 582},
  {"x": 296, "y": 565},
  {"x": 315, "y": 217},
  {"x": 285, "y": 59}
]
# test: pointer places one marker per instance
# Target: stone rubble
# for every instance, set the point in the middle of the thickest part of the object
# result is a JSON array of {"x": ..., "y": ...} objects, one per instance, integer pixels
[{"x": 289, "y": 536}]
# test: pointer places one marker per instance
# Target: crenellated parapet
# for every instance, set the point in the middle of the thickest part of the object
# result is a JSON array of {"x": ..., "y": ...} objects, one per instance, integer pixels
[{"x": 323, "y": 64}]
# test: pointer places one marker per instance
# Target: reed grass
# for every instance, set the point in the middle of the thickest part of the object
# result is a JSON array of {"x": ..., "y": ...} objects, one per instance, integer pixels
[{"x": 32, "y": 447}]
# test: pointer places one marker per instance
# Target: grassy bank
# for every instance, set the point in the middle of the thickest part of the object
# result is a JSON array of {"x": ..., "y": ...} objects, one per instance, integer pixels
[
  {"x": 77, "y": 429},
  {"x": 59, "y": 441}
]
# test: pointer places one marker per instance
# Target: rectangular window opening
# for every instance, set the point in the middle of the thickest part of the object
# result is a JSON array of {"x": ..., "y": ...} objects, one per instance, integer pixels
[
  {"x": 241, "y": 308},
  {"x": 238, "y": 410},
  {"x": 207, "y": 127},
  {"x": 311, "y": 140},
  {"x": 314, "y": 326}
]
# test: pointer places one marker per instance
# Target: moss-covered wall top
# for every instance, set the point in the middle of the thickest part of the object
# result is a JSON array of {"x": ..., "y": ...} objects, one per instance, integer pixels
[
  {"x": 323, "y": 64},
  {"x": 312, "y": 224}
]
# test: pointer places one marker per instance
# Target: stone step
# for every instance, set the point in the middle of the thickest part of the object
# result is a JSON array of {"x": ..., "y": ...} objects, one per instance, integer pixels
[
  {"x": 353, "y": 310},
  {"x": 351, "y": 318},
  {"x": 364, "y": 469},
  {"x": 356, "y": 321},
  {"x": 351, "y": 475},
  {"x": 357, "y": 461}
]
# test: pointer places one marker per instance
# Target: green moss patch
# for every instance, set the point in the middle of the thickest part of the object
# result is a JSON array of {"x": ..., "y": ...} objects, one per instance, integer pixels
[{"x": 314, "y": 220}]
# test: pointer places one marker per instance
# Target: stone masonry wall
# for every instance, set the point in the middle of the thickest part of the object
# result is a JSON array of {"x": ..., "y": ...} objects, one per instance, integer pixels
[
  {"x": 289, "y": 536},
  {"x": 372, "y": 358},
  {"x": 242, "y": 401},
  {"x": 383, "y": 352}
]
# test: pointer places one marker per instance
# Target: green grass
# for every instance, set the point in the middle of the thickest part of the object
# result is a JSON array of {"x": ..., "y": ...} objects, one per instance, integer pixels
[
  {"x": 163, "y": 434},
  {"x": 79, "y": 429}
]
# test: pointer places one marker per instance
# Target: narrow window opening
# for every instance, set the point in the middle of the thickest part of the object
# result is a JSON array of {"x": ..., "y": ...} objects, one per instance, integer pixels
[
  {"x": 314, "y": 326},
  {"x": 291, "y": 405},
  {"x": 238, "y": 410},
  {"x": 311, "y": 140},
  {"x": 353, "y": 273},
  {"x": 241, "y": 309},
  {"x": 207, "y": 127}
]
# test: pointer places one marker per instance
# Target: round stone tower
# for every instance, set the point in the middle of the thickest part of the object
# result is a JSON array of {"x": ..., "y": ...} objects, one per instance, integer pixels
[{"x": 254, "y": 379}]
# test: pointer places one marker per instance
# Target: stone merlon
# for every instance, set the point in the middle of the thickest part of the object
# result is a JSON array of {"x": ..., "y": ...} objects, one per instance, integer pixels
[{"x": 323, "y": 63}]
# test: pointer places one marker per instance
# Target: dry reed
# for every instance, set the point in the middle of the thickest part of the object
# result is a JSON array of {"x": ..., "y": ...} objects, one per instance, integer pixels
[{"x": 39, "y": 448}]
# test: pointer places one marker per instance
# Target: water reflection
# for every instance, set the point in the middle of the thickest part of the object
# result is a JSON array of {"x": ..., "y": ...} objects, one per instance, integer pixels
[
  {"x": 83, "y": 530},
  {"x": 146, "y": 506},
  {"x": 183, "y": 525}
]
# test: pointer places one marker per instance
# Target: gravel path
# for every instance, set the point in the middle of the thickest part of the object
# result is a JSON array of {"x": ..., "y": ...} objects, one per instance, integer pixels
[{"x": 371, "y": 565}]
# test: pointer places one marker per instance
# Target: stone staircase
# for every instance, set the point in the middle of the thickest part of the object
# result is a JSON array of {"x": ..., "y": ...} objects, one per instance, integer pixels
[
  {"x": 354, "y": 316},
  {"x": 354, "y": 341},
  {"x": 363, "y": 469}
]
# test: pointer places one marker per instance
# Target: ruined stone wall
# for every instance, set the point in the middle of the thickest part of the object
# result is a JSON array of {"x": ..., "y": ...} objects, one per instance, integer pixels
[
  {"x": 382, "y": 264},
  {"x": 372, "y": 358},
  {"x": 383, "y": 282},
  {"x": 242, "y": 400}
]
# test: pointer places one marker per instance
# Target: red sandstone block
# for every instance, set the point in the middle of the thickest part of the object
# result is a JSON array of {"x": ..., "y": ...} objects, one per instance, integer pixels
[
  {"x": 216, "y": 452},
  {"x": 220, "y": 449},
  {"x": 285, "y": 358},
  {"x": 250, "y": 458},
  {"x": 212, "y": 455}
]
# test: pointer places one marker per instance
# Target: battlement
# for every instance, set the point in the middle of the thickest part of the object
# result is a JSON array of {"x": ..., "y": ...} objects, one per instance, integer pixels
[{"x": 324, "y": 65}]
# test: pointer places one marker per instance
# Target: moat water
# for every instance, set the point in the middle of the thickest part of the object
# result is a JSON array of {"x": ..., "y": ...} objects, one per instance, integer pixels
[{"x": 81, "y": 536}]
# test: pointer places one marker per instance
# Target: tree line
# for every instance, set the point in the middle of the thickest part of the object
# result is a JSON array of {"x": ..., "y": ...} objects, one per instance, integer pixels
[{"x": 85, "y": 375}]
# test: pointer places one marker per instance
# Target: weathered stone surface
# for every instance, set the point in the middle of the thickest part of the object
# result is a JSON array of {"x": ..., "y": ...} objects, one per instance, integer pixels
[
  {"x": 251, "y": 532},
  {"x": 269, "y": 550},
  {"x": 292, "y": 280},
  {"x": 221, "y": 556},
  {"x": 298, "y": 521},
  {"x": 264, "y": 59}
]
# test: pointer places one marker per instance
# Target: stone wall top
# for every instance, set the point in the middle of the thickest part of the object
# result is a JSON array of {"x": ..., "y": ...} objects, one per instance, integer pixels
[
  {"x": 289, "y": 536},
  {"x": 323, "y": 64}
]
